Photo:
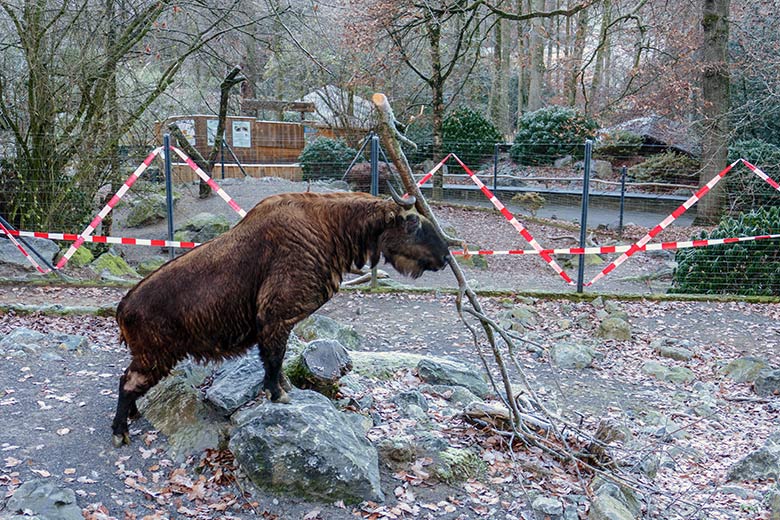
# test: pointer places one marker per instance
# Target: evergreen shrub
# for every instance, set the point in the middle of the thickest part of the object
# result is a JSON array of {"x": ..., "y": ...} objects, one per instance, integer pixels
[
  {"x": 326, "y": 158},
  {"x": 746, "y": 268},
  {"x": 551, "y": 132}
]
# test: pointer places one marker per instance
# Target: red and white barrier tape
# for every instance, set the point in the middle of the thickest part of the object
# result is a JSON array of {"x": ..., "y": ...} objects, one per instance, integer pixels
[
  {"x": 29, "y": 258},
  {"x": 620, "y": 249},
  {"x": 126, "y": 186},
  {"x": 99, "y": 239},
  {"x": 761, "y": 174},
  {"x": 212, "y": 184},
  {"x": 679, "y": 211},
  {"x": 430, "y": 174},
  {"x": 113, "y": 202},
  {"x": 515, "y": 223},
  {"x": 487, "y": 252}
]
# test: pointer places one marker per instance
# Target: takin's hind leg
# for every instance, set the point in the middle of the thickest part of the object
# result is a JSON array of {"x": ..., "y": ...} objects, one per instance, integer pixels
[
  {"x": 273, "y": 345},
  {"x": 132, "y": 385}
]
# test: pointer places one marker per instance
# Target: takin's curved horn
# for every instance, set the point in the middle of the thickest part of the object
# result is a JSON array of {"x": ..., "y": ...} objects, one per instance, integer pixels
[{"x": 407, "y": 203}]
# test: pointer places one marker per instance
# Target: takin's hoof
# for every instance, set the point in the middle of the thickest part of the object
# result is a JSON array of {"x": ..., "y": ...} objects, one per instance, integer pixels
[
  {"x": 283, "y": 397},
  {"x": 119, "y": 440}
]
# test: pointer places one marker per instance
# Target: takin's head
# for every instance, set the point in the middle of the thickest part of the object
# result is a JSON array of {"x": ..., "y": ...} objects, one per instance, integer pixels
[{"x": 412, "y": 245}]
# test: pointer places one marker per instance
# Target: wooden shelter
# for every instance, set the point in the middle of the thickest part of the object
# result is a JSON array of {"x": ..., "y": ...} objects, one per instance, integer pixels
[{"x": 263, "y": 148}]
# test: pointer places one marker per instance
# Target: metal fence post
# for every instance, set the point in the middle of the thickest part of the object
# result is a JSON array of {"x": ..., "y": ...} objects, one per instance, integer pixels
[
  {"x": 584, "y": 217},
  {"x": 374, "y": 186},
  {"x": 168, "y": 189},
  {"x": 623, "y": 174},
  {"x": 222, "y": 156}
]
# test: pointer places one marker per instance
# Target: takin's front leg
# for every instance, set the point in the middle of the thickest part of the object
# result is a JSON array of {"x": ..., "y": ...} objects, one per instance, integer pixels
[
  {"x": 273, "y": 345},
  {"x": 134, "y": 383}
]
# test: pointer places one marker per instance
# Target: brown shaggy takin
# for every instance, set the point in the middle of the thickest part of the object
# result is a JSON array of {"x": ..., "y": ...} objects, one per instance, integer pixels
[{"x": 252, "y": 284}]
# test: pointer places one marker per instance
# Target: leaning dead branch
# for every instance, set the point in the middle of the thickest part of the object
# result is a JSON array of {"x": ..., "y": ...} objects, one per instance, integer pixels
[{"x": 519, "y": 416}]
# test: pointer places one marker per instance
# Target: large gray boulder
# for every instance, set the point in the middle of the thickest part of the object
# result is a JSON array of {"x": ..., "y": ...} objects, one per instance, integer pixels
[
  {"x": 175, "y": 407},
  {"x": 614, "y": 327},
  {"x": 45, "y": 501},
  {"x": 744, "y": 369},
  {"x": 445, "y": 372},
  {"x": 764, "y": 463},
  {"x": 658, "y": 132},
  {"x": 307, "y": 448},
  {"x": 147, "y": 209},
  {"x": 10, "y": 254}
]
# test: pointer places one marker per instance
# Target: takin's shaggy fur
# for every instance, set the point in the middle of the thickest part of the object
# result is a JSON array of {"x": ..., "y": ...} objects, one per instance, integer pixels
[{"x": 252, "y": 284}]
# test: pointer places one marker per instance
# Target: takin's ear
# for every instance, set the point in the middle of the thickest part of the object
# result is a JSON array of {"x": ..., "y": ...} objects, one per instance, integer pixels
[
  {"x": 411, "y": 223},
  {"x": 389, "y": 217}
]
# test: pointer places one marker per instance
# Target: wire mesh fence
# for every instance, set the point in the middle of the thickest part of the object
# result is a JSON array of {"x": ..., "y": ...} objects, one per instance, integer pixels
[{"x": 633, "y": 190}]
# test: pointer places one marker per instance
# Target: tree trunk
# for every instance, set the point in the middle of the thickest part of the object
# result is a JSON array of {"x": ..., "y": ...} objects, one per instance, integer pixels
[
  {"x": 715, "y": 106},
  {"x": 599, "y": 69},
  {"x": 575, "y": 63},
  {"x": 536, "y": 55},
  {"x": 436, "y": 83}
]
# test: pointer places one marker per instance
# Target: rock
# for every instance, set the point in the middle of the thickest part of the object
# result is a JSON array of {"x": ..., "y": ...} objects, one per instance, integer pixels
[
  {"x": 383, "y": 365},
  {"x": 21, "y": 339},
  {"x": 148, "y": 209},
  {"x": 614, "y": 328},
  {"x": 605, "y": 507},
  {"x": 457, "y": 464},
  {"x": 82, "y": 257},
  {"x": 174, "y": 407},
  {"x": 45, "y": 501},
  {"x": 762, "y": 464},
  {"x": 547, "y": 506},
  {"x": 669, "y": 374},
  {"x": 306, "y": 448},
  {"x": 236, "y": 382},
  {"x": 523, "y": 317},
  {"x": 744, "y": 369},
  {"x": 202, "y": 228},
  {"x": 572, "y": 355},
  {"x": 320, "y": 366},
  {"x": 627, "y": 497},
  {"x": 400, "y": 449},
  {"x": 767, "y": 383},
  {"x": 599, "y": 169},
  {"x": 113, "y": 265},
  {"x": 457, "y": 395},
  {"x": 562, "y": 162},
  {"x": 445, "y": 372},
  {"x": 147, "y": 267},
  {"x": 318, "y": 326},
  {"x": 672, "y": 348},
  {"x": 411, "y": 403},
  {"x": 30, "y": 341},
  {"x": 10, "y": 254}
]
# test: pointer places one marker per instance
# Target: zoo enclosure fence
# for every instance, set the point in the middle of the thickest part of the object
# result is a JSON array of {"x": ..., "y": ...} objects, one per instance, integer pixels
[{"x": 732, "y": 267}]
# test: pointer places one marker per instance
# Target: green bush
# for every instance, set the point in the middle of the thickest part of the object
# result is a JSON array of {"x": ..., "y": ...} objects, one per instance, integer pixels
[
  {"x": 749, "y": 268},
  {"x": 326, "y": 158},
  {"x": 621, "y": 143},
  {"x": 667, "y": 167},
  {"x": 549, "y": 133},
  {"x": 746, "y": 189},
  {"x": 470, "y": 136}
]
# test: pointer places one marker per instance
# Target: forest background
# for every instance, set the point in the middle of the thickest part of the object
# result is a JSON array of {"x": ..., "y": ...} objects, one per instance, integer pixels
[{"x": 82, "y": 80}]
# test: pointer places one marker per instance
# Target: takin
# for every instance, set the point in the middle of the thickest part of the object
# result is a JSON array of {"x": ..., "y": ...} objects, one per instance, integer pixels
[{"x": 252, "y": 284}]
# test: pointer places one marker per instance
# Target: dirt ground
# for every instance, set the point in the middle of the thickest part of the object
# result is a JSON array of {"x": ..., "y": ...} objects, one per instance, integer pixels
[{"x": 55, "y": 414}]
